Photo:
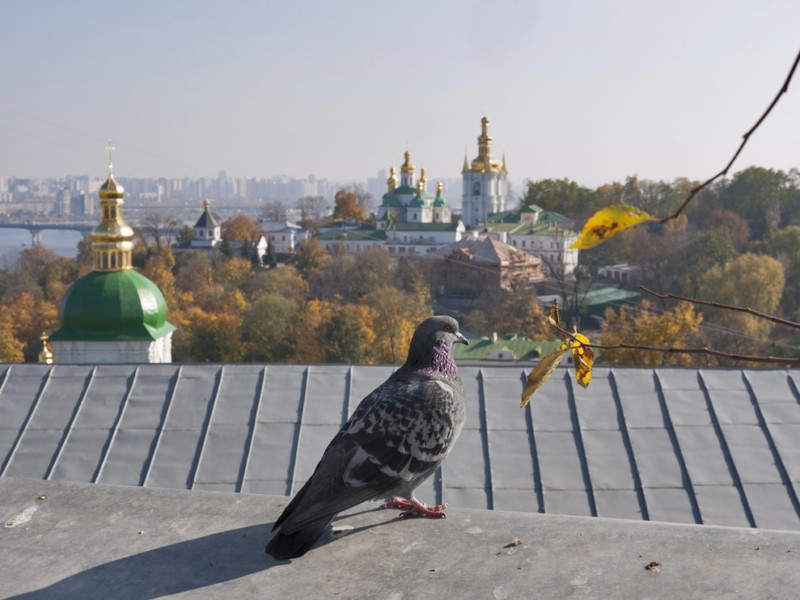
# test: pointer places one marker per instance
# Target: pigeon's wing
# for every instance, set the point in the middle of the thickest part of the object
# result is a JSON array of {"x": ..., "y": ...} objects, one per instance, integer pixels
[
  {"x": 399, "y": 433},
  {"x": 405, "y": 436}
]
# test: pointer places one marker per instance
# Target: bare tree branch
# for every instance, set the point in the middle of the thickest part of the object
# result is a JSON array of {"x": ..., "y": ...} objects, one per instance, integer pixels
[
  {"x": 764, "y": 359},
  {"x": 671, "y": 350},
  {"x": 747, "y": 310},
  {"x": 694, "y": 191}
]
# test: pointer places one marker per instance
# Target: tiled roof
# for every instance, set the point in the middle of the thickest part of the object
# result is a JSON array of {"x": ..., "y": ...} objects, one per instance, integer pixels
[
  {"x": 485, "y": 249},
  {"x": 681, "y": 445},
  {"x": 206, "y": 221}
]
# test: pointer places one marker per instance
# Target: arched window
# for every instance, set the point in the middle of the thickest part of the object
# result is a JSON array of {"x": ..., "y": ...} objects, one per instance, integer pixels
[{"x": 476, "y": 188}]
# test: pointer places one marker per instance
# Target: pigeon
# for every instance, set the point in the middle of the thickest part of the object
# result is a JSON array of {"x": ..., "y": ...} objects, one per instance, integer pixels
[{"x": 396, "y": 438}]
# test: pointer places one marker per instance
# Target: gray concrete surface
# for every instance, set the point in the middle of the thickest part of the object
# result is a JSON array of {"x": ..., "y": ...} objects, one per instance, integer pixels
[{"x": 76, "y": 540}]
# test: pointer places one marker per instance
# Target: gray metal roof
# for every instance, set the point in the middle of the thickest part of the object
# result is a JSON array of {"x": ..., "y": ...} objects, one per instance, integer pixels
[{"x": 679, "y": 445}]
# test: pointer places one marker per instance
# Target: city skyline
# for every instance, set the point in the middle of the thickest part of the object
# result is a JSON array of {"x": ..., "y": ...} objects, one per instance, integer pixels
[{"x": 593, "y": 92}]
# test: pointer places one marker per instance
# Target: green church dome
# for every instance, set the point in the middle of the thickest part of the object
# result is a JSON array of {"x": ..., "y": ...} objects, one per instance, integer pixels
[{"x": 113, "y": 306}]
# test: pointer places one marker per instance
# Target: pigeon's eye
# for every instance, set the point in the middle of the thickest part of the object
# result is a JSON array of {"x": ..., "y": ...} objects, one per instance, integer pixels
[{"x": 448, "y": 328}]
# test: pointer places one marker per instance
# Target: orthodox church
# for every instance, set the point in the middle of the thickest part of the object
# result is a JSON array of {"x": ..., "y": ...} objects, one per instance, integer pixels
[
  {"x": 484, "y": 191},
  {"x": 113, "y": 314},
  {"x": 409, "y": 202},
  {"x": 485, "y": 182}
]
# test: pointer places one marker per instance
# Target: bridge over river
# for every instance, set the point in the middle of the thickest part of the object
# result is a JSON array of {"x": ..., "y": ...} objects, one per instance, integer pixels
[{"x": 36, "y": 229}]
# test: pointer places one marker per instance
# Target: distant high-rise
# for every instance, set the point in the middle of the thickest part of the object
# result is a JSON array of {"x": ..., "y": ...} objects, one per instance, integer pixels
[{"x": 484, "y": 182}]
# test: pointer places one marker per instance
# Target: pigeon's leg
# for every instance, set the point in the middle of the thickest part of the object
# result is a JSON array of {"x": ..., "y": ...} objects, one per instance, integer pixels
[{"x": 415, "y": 508}]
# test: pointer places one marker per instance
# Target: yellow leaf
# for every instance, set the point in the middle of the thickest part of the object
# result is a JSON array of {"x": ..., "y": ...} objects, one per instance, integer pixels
[
  {"x": 607, "y": 223},
  {"x": 583, "y": 367},
  {"x": 553, "y": 316},
  {"x": 582, "y": 356},
  {"x": 541, "y": 373}
]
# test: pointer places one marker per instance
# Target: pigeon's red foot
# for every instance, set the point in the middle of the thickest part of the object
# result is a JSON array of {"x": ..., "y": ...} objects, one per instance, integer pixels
[{"x": 415, "y": 508}]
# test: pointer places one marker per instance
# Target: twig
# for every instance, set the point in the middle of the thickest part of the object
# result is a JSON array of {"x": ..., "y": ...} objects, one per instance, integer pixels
[
  {"x": 747, "y": 310},
  {"x": 671, "y": 350},
  {"x": 694, "y": 191},
  {"x": 709, "y": 351}
]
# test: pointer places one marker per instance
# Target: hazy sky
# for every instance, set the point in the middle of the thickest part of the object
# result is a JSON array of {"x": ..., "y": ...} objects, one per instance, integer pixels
[{"x": 591, "y": 90}]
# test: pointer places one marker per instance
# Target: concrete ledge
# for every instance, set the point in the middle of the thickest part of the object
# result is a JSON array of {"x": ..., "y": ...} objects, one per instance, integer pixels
[{"x": 68, "y": 540}]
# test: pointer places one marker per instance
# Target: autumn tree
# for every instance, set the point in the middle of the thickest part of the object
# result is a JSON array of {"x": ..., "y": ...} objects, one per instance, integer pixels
[
  {"x": 752, "y": 281},
  {"x": 240, "y": 228},
  {"x": 509, "y": 311},
  {"x": 726, "y": 220},
  {"x": 25, "y": 317},
  {"x": 350, "y": 277},
  {"x": 309, "y": 339},
  {"x": 269, "y": 325},
  {"x": 11, "y": 349},
  {"x": 348, "y": 206},
  {"x": 207, "y": 337},
  {"x": 785, "y": 246},
  {"x": 310, "y": 257},
  {"x": 397, "y": 313},
  {"x": 710, "y": 249},
  {"x": 194, "y": 273},
  {"x": 348, "y": 336},
  {"x": 646, "y": 326},
  {"x": 159, "y": 269}
]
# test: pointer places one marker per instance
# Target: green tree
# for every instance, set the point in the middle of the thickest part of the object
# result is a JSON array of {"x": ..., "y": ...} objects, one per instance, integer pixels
[
  {"x": 269, "y": 325},
  {"x": 347, "y": 338},
  {"x": 712, "y": 248},
  {"x": 784, "y": 245},
  {"x": 559, "y": 195},
  {"x": 763, "y": 197}
]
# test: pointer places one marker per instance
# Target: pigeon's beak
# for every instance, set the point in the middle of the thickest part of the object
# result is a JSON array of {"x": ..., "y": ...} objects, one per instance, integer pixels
[{"x": 460, "y": 339}]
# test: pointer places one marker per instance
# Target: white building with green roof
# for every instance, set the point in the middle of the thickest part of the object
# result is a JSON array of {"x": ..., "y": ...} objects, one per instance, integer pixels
[
  {"x": 407, "y": 201},
  {"x": 410, "y": 221},
  {"x": 113, "y": 314},
  {"x": 540, "y": 232}
]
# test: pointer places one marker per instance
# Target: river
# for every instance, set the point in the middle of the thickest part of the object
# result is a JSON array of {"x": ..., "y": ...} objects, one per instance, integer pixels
[{"x": 63, "y": 243}]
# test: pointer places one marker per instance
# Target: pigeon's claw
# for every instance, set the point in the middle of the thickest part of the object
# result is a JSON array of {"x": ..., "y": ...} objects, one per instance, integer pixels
[{"x": 415, "y": 508}]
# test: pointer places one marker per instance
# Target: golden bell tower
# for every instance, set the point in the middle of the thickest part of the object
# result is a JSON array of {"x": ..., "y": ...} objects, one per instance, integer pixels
[{"x": 112, "y": 239}]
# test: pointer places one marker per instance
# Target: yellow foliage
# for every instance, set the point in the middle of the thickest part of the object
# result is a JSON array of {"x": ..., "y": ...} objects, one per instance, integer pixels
[
  {"x": 10, "y": 347},
  {"x": 310, "y": 337},
  {"x": 607, "y": 223},
  {"x": 751, "y": 281},
  {"x": 582, "y": 357},
  {"x": 396, "y": 316},
  {"x": 644, "y": 326},
  {"x": 235, "y": 271}
]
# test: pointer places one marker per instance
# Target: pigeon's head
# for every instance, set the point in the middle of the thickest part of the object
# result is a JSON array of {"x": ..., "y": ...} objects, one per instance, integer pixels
[{"x": 433, "y": 340}]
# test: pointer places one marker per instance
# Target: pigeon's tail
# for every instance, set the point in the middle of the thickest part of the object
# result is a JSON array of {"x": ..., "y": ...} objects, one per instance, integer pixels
[{"x": 285, "y": 546}]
